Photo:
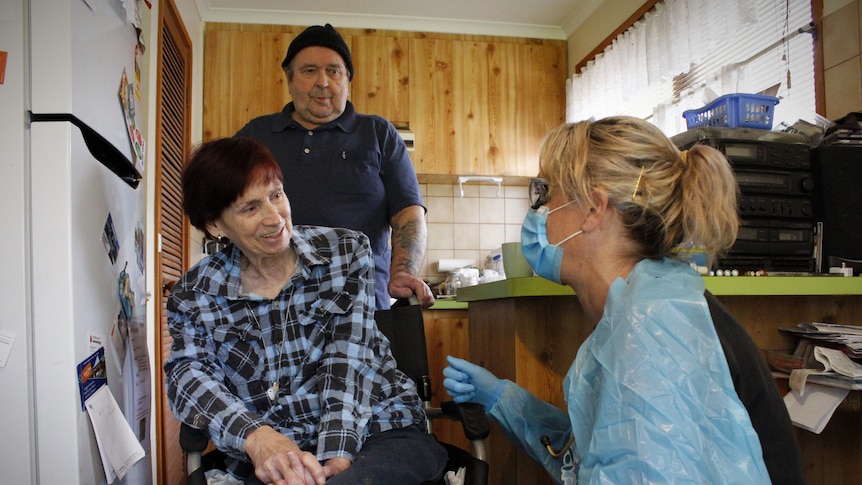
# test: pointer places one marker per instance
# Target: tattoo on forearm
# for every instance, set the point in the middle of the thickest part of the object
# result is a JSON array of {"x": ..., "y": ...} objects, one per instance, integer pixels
[{"x": 408, "y": 242}]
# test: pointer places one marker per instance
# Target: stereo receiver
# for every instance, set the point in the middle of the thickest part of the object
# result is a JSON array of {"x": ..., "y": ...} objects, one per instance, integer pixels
[
  {"x": 799, "y": 184},
  {"x": 752, "y": 147},
  {"x": 777, "y": 207},
  {"x": 774, "y": 246},
  {"x": 771, "y": 237},
  {"x": 770, "y": 264},
  {"x": 776, "y": 186}
]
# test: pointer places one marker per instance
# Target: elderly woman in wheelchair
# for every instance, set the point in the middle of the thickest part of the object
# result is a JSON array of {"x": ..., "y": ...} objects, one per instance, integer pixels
[{"x": 275, "y": 353}]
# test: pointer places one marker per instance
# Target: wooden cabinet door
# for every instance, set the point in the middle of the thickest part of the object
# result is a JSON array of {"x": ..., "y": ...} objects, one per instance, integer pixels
[
  {"x": 476, "y": 107},
  {"x": 242, "y": 78},
  {"x": 446, "y": 333},
  {"x": 448, "y": 106},
  {"x": 381, "y": 77},
  {"x": 480, "y": 108},
  {"x": 526, "y": 99}
]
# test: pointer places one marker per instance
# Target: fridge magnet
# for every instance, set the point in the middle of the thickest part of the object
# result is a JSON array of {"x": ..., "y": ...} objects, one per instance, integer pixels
[
  {"x": 127, "y": 296},
  {"x": 119, "y": 341},
  {"x": 140, "y": 247},
  {"x": 94, "y": 341},
  {"x": 109, "y": 239},
  {"x": 120, "y": 328},
  {"x": 127, "y": 102},
  {"x": 137, "y": 77},
  {"x": 92, "y": 375},
  {"x": 3, "y": 56}
]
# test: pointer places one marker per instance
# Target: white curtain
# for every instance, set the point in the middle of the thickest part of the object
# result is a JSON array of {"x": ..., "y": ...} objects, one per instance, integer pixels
[{"x": 634, "y": 75}]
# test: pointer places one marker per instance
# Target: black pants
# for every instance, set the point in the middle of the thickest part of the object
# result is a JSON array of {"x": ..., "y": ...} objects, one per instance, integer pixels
[{"x": 406, "y": 456}]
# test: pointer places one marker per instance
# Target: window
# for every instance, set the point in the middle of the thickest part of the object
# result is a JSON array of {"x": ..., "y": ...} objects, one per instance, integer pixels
[{"x": 684, "y": 53}]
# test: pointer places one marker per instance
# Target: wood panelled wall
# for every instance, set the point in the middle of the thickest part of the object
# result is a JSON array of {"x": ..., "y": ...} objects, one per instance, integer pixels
[{"x": 478, "y": 105}]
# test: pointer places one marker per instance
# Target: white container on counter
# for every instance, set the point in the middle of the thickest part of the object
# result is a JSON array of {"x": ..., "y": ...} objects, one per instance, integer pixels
[{"x": 467, "y": 276}]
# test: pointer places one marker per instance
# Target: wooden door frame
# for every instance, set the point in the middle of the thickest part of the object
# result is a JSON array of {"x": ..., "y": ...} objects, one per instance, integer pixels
[{"x": 170, "y": 23}]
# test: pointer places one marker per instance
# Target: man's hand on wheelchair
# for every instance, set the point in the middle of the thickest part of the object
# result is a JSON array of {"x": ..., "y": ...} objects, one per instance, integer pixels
[{"x": 404, "y": 285}]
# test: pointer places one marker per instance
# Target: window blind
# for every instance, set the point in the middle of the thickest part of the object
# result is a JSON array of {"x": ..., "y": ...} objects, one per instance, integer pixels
[{"x": 685, "y": 53}]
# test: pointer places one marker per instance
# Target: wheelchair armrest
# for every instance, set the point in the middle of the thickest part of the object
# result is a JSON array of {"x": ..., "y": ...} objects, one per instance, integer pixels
[
  {"x": 472, "y": 417},
  {"x": 424, "y": 388},
  {"x": 193, "y": 442},
  {"x": 192, "y": 439}
]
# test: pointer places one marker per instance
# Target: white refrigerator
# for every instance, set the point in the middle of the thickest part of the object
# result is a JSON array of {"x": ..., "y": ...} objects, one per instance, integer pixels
[{"x": 87, "y": 220}]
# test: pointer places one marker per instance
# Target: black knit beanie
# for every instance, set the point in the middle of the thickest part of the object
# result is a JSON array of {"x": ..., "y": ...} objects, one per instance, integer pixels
[{"x": 325, "y": 36}]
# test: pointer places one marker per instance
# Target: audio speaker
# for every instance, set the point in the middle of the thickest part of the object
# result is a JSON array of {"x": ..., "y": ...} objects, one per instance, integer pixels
[{"x": 837, "y": 172}]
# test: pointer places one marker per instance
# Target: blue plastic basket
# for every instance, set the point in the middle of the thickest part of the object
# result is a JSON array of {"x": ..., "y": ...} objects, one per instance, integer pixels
[{"x": 734, "y": 111}]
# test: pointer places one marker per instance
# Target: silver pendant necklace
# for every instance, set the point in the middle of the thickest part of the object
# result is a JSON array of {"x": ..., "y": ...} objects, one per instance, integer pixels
[{"x": 272, "y": 390}]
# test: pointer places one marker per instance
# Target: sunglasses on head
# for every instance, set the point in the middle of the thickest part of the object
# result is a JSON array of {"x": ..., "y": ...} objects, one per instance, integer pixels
[{"x": 538, "y": 192}]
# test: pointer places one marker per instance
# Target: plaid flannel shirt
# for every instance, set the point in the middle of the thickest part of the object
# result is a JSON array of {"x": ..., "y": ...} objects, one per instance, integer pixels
[{"x": 337, "y": 378}]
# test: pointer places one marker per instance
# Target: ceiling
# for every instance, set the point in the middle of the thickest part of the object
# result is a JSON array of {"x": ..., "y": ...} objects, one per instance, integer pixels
[{"x": 553, "y": 19}]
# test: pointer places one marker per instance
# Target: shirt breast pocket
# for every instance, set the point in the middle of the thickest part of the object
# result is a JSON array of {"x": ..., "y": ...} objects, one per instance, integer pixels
[
  {"x": 238, "y": 348},
  {"x": 357, "y": 172},
  {"x": 318, "y": 322}
]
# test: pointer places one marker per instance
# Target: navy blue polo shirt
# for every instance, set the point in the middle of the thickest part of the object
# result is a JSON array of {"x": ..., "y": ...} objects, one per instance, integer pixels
[{"x": 353, "y": 172}]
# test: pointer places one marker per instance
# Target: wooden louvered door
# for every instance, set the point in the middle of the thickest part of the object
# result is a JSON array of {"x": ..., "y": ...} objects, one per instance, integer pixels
[{"x": 173, "y": 142}]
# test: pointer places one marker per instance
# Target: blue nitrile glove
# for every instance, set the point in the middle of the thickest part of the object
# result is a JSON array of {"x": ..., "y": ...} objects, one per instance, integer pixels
[{"x": 468, "y": 382}]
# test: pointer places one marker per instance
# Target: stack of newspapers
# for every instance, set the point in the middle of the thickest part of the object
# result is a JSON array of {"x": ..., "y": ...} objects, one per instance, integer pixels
[{"x": 837, "y": 349}]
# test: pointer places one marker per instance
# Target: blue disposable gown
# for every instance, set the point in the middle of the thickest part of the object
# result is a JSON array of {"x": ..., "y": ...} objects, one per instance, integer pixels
[{"x": 649, "y": 396}]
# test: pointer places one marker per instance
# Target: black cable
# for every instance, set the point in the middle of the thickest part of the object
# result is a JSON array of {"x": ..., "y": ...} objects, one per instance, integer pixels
[{"x": 556, "y": 454}]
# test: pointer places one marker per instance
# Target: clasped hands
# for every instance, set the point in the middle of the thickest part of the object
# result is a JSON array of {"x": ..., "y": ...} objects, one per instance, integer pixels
[{"x": 279, "y": 461}]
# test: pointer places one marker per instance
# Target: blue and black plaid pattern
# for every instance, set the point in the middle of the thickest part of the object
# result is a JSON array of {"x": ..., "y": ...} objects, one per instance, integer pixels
[{"x": 336, "y": 376}]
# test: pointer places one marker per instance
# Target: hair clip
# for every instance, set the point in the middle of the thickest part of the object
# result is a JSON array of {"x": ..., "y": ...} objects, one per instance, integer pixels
[{"x": 635, "y": 193}]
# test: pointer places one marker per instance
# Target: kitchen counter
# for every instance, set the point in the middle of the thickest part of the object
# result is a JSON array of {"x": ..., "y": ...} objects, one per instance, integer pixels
[
  {"x": 513, "y": 287},
  {"x": 718, "y": 285},
  {"x": 448, "y": 304}
]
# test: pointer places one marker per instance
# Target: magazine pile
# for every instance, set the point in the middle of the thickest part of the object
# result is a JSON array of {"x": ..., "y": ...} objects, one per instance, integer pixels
[
  {"x": 841, "y": 364},
  {"x": 824, "y": 369}
]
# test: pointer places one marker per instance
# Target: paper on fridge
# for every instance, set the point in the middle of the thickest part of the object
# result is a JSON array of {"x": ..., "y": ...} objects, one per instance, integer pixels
[{"x": 114, "y": 436}]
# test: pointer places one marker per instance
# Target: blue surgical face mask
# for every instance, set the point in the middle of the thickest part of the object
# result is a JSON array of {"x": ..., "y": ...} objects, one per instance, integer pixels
[{"x": 545, "y": 258}]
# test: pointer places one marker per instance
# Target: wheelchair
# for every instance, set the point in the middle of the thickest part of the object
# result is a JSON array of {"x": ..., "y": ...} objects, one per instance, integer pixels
[{"x": 404, "y": 326}]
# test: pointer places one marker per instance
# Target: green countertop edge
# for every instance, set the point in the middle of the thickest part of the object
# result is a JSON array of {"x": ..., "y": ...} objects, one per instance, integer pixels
[
  {"x": 448, "y": 305},
  {"x": 784, "y": 285},
  {"x": 718, "y": 285}
]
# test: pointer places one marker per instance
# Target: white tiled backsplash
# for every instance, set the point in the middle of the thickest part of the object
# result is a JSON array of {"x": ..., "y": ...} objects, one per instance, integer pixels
[{"x": 472, "y": 226}]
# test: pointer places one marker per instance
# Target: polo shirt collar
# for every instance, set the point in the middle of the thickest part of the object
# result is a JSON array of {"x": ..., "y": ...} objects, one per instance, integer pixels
[{"x": 346, "y": 122}]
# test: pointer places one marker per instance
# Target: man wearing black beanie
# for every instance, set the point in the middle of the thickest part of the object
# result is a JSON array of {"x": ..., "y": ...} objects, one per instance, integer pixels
[
  {"x": 325, "y": 36},
  {"x": 345, "y": 169}
]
